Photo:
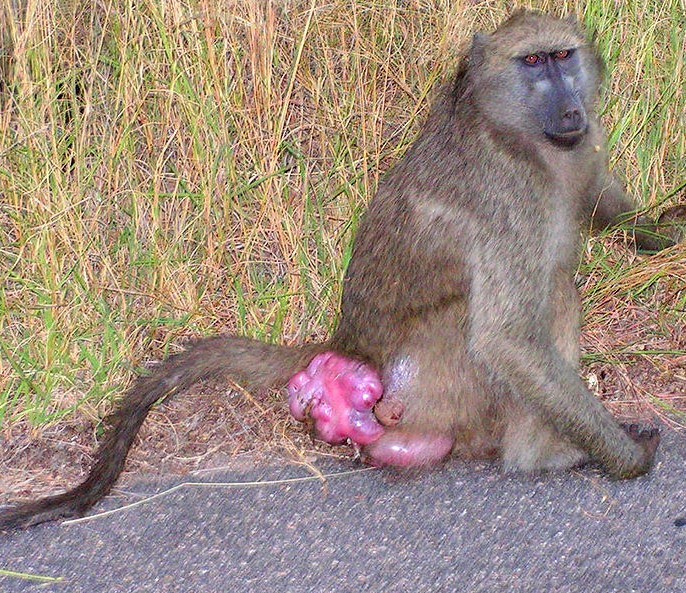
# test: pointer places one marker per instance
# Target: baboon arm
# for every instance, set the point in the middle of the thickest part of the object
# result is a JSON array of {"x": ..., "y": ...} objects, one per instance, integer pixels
[
  {"x": 549, "y": 386},
  {"x": 509, "y": 335},
  {"x": 611, "y": 207}
]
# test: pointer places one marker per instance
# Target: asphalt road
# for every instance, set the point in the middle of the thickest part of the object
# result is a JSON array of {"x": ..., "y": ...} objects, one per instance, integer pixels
[{"x": 463, "y": 528}]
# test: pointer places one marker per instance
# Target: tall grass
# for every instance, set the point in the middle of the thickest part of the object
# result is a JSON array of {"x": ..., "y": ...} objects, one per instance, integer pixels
[{"x": 178, "y": 168}]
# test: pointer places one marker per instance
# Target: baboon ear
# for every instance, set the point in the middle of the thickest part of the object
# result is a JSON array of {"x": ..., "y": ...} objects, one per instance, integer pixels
[
  {"x": 572, "y": 20},
  {"x": 478, "y": 50}
]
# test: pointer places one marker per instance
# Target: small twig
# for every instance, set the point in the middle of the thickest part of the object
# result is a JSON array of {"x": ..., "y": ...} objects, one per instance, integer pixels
[
  {"x": 255, "y": 484},
  {"x": 30, "y": 577}
]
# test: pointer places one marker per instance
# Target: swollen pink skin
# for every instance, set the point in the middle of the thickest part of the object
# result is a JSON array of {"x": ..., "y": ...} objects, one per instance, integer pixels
[
  {"x": 400, "y": 449},
  {"x": 338, "y": 394}
]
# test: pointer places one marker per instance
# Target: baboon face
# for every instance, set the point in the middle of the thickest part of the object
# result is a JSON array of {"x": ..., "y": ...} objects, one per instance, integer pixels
[
  {"x": 539, "y": 85},
  {"x": 552, "y": 91}
]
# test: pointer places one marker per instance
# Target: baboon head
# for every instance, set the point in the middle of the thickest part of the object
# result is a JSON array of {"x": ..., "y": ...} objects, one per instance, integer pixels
[{"x": 536, "y": 76}]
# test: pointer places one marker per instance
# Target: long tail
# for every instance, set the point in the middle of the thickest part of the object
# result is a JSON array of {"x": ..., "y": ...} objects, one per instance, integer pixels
[{"x": 250, "y": 363}]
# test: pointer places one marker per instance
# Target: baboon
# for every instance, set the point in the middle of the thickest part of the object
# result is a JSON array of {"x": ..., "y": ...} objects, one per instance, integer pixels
[{"x": 459, "y": 301}]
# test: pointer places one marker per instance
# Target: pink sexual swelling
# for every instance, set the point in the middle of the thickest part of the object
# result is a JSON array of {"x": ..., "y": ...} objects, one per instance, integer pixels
[
  {"x": 338, "y": 394},
  {"x": 400, "y": 449}
]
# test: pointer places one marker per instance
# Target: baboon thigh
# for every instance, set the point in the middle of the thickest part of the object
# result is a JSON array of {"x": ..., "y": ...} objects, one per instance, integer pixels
[{"x": 445, "y": 403}]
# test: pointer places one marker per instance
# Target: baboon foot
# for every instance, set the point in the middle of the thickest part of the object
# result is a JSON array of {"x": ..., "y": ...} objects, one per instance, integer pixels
[
  {"x": 531, "y": 445},
  {"x": 337, "y": 394}
]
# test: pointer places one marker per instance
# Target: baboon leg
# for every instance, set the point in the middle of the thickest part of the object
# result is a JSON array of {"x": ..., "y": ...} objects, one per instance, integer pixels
[
  {"x": 566, "y": 327},
  {"x": 530, "y": 443},
  {"x": 610, "y": 205}
]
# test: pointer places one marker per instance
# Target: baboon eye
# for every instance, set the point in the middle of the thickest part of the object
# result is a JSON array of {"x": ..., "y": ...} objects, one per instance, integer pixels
[
  {"x": 563, "y": 54},
  {"x": 532, "y": 59}
]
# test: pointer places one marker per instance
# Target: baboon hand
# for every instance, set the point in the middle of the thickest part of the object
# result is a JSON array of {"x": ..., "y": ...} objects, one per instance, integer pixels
[
  {"x": 338, "y": 395},
  {"x": 648, "y": 438},
  {"x": 672, "y": 222}
]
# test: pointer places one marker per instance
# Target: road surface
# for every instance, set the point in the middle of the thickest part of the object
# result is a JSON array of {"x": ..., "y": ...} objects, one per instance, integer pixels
[{"x": 462, "y": 528}]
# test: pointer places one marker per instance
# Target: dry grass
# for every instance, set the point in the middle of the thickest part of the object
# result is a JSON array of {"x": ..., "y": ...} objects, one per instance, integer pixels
[{"x": 176, "y": 168}]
